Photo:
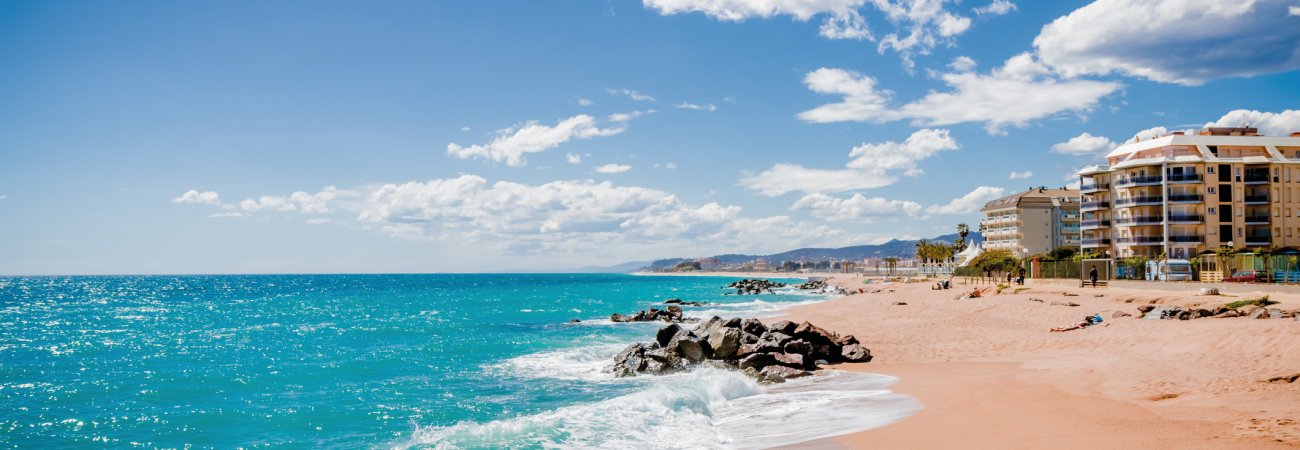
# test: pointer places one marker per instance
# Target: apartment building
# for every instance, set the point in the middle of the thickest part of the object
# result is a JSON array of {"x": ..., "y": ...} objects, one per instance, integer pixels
[
  {"x": 1032, "y": 222},
  {"x": 1185, "y": 194}
]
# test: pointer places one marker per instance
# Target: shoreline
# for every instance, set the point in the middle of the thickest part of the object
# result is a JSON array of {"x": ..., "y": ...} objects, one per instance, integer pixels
[{"x": 990, "y": 374}]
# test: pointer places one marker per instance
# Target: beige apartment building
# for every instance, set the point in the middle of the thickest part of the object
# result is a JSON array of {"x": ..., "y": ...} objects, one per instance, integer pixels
[
  {"x": 1032, "y": 222},
  {"x": 1182, "y": 194}
]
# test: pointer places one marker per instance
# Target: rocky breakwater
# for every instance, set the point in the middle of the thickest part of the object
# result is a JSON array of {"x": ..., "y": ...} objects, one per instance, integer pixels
[
  {"x": 748, "y": 286},
  {"x": 770, "y": 354},
  {"x": 672, "y": 314}
]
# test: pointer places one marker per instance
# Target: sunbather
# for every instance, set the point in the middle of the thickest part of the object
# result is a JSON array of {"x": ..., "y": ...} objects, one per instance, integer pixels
[{"x": 1087, "y": 322}]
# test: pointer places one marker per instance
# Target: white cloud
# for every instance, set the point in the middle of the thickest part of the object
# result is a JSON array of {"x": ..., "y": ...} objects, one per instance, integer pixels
[
  {"x": 856, "y": 207},
  {"x": 1085, "y": 144},
  {"x": 225, "y": 215},
  {"x": 1020, "y": 175},
  {"x": 613, "y": 168},
  {"x": 585, "y": 102},
  {"x": 1149, "y": 133},
  {"x": 670, "y": 165},
  {"x": 1294, "y": 10},
  {"x": 704, "y": 107},
  {"x": 305, "y": 202},
  {"x": 2, "y": 197},
  {"x": 573, "y": 158},
  {"x": 576, "y": 217},
  {"x": 871, "y": 166},
  {"x": 972, "y": 202},
  {"x": 465, "y": 128},
  {"x": 194, "y": 196},
  {"x": 997, "y": 8},
  {"x": 739, "y": 10},
  {"x": 1019, "y": 91},
  {"x": 632, "y": 94},
  {"x": 511, "y": 144},
  {"x": 850, "y": 25},
  {"x": 318, "y": 221},
  {"x": 928, "y": 24},
  {"x": 627, "y": 117},
  {"x": 962, "y": 64},
  {"x": 1270, "y": 124},
  {"x": 1186, "y": 42}
]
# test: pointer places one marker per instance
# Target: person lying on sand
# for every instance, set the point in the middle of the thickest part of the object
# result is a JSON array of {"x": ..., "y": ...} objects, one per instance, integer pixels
[
  {"x": 974, "y": 293},
  {"x": 1087, "y": 322}
]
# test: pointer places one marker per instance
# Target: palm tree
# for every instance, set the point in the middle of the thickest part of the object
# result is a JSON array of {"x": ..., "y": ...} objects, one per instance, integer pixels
[{"x": 962, "y": 232}]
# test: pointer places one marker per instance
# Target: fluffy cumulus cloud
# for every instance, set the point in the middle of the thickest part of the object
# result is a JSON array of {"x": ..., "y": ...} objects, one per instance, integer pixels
[
  {"x": 302, "y": 201},
  {"x": 918, "y": 25},
  {"x": 870, "y": 166},
  {"x": 573, "y": 158},
  {"x": 1186, "y": 42},
  {"x": 1020, "y": 175},
  {"x": 571, "y": 217},
  {"x": 969, "y": 203},
  {"x": 631, "y": 93},
  {"x": 962, "y": 64},
  {"x": 1019, "y": 91},
  {"x": 613, "y": 168},
  {"x": 1085, "y": 144},
  {"x": 997, "y": 8},
  {"x": 1269, "y": 123},
  {"x": 194, "y": 196},
  {"x": 511, "y": 144},
  {"x": 857, "y": 207}
]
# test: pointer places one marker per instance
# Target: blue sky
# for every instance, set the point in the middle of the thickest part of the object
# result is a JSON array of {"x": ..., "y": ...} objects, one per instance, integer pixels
[{"x": 252, "y": 137}]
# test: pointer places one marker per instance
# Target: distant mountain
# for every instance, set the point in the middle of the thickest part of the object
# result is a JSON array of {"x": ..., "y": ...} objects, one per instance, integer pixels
[{"x": 895, "y": 248}]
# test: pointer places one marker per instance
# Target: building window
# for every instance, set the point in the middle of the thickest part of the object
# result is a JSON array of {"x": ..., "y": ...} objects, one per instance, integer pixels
[
  {"x": 1211, "y": 209},
  {"x": 1210, "y": 169},
  {"x": 1238, "y": 231},
  {"x": 1210, "y": 190}
]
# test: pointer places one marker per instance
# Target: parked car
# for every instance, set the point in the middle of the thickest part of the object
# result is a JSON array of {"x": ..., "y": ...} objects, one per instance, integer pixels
[
  {"x": 1245, "y": 276},
  {"x": 1169, "y": 270}
]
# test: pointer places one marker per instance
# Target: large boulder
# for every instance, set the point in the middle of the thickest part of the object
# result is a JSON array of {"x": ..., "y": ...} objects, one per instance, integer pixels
[
  {"x": 707, "y": 326},
  {"x": 773, "y": 341},
  {"x": 661, "y": 361},
  {"x": 757, "y": 361},
  {"x": 847, "y": 339},
  {"x": 632, "y": 360},
  {"x": 778, "y": 374},
  {"x": 674, "y": 313},
  {"x": 799, "y": 346},
  {"x": 667, "y": 334},
  {"x": 784, "y": 326},
  {"x": 753, "y": 326},
  {"x": 1259, "y": 313},
  {"x": 855, "y": 353},
  {"x": 725, "y": 342},
  {"x": 693, "y": 349},
  {"x": 733, "y": 322},
  {"x": 747, "y": 349},
  {"x": 789, "y": 360}
]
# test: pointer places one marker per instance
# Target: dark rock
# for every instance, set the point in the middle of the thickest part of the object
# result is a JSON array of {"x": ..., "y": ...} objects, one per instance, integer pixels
[
  {"x": 1118, "y": 314},
  {"x": 846, "y": 339},
  {"x": 784, "y": 326},
  {"x": 1274, "y": 313},
  {"x": 675, "y": 312},
  {"x": 631, "y": 360},
  {"x": 1032, "y": 299},
  {"x": 747, "y": 349},
  {"x": 1146, "y": 308},
  {"x": 754, "y": 286},
  {"x": 706, "y": 327},
  {"x": 1259, "y": 313},
  {"x": 778, "y": 374},
  {"x": 693, "y": 349},
  {"x": 661, "y": 361},
  {"x": 757, "y": 361},
  {"x": 790, "y": 359},
  {"x": 1070, "y": 304},
  {"x": 678, "y": 301},
  {"x": 575, "y": 321},
  {"x": 725, "y": 342},
  {"x": 746, "y": 338},
  {"x": 1284, "y": 378},
  {"x": 667, "y": 334},
  {"x": 855, "y": 353},
  {"x": 773, "y": 341},
  {"x": 619, "y": 318},
  {"x": 753, "y": 326},
  {"x": 1162, "y": 313},
  {"x": 901, "y": 303},
  {"x": 1227, "y": 314},
  {"x": 799, "y": 346},
  {"x": 734, "y": 322}
]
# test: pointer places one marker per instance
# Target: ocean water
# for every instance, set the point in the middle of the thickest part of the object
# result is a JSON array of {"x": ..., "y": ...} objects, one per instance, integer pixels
[{"x": 388, "y": 361}]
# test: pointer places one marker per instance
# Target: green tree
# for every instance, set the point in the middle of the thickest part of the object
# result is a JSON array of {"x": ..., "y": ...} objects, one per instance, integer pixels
[
  {"x": 1062, "y": 253},
  {"x": 962, "y": 232}
]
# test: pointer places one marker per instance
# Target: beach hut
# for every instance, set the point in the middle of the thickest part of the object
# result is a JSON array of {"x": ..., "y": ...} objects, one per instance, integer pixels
[
  {"x": 1208, "y": 269},
  {"x": 1285, "y": 264}
]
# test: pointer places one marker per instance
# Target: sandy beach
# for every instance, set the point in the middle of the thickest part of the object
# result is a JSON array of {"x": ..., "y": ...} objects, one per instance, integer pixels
[{"x": 991, "y": 375}]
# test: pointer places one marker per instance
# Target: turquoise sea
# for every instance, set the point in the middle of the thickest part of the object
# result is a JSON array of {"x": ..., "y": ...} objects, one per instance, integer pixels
[{"x": 387, "y": 361}]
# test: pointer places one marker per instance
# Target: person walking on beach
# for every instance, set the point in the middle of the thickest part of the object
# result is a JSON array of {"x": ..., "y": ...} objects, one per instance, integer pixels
[{"x": 1092, "y": 276}]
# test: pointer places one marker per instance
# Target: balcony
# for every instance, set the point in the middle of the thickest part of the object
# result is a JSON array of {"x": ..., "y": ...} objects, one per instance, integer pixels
[
  {"x": 1141, "y": 240},
  {"x": 1093, "y": 187},
  {"x": 1258, "y": 239},
  {"x": 1257, "y": 220},
  {"x": 1138, "y": 181},
  {"x": 1185, "y": 218},
  {"x": 1070, "y": 217},
  {"x": 1256, "y": 178},
  {"x": 1139, "y": 220},
  {"x": 1190, "y": 238},
  {"x": 1257, "y": 199},
  {"x": 1095, "y": 242},
  {"x": 1185, "y": 198},
  {"x": 1094, "y": 223},
  {"x": 1184, "y": 178},
  {"x": 1139, "y": 201},
  {"x": 1094, "y": 205}
]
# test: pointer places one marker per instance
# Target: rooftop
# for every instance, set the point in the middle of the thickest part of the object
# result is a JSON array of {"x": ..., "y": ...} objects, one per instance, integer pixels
[{"x": 1039, "y": 196}]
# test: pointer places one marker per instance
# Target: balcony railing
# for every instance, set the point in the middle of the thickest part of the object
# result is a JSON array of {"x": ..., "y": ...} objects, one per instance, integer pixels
[
  {"x": 1138, "y": 181},
  {"x": 1259, "y": 239},
  {"x": 1186, "y": 218},
  {"x": 1139, "y": 220},
  {"x": 1187, "y": 177},
  {"x": 1094, "y": 205},
  {"x": 1256, "y": 178},
  {"x": 1184, "y": 198},
  {"x": 1141, "y": 240},
  {"x": 1094, "y": 187},
  {"x": 1257, "y": 198},
  {"x": 1094, "y": 223},
  {"x": 1186, "y": 238},
  {"x": 1139, "y": 201},
  {"x": 1095, "y": 242},
  {"x": 1257, "y": 219}
]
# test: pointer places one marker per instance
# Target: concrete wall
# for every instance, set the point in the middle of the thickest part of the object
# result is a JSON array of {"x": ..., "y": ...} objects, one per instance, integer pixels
[{"x": 1193, "y": 287}]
